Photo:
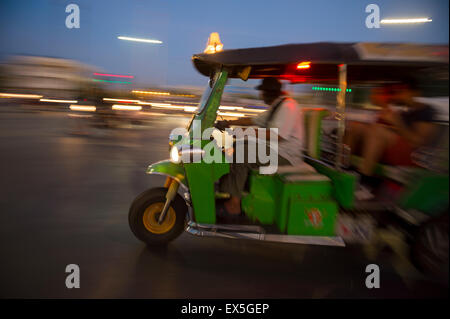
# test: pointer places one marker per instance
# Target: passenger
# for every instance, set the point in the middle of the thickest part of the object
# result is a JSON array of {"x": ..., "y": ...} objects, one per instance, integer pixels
[
  {"x": 396, "y": 134},
  {"x": 284, "y": 114},
  {"x": 355, "y": 131}
]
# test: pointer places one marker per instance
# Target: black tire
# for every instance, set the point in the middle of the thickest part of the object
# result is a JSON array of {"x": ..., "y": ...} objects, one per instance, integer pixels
[
  {"x": 145, "y": 200},
  {"x": 430, "y": 251}
]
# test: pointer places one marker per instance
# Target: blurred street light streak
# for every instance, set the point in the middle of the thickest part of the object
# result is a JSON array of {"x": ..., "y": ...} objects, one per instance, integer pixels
[
  {"x": 231, "y": 114},
  {"x": 114, "y": 75},
  {"x": 161, "y": 104},
  {"x": 162, "y": 93},
  {"x": 153, "y": 113},
  {"x": 184, "y": 95},
  {"x": 169, "y": 107},
  {"x": 139, "y": 40},
  {"x": 83, "y": 108},
  {"x": 195, "y": 103},
  {"x": 20, "y": 96},
  {"x": 107, "y": 81},
  {"x": 120, "y": 100},
  {"x": 230, "y": 108},
  {"x": 58, "y": 101},
  {"x": 151, "y": 92},
  {"x": 126, "y": 107},
  {"x": 405, "y": 21},
  {"x": 190, "y": 109},
  {"x": 252, "y": 110}
]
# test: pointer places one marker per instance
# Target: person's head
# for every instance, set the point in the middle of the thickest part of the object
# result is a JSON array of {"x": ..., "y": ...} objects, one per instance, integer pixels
[
  {"x": 404, "y": 92},
  {"x": 381, "y": 96},
  {"x": 270, "y": 90}
]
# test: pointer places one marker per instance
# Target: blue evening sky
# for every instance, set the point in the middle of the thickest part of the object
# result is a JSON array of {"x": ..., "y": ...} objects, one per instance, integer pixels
[{"x": 37, "y": 27}]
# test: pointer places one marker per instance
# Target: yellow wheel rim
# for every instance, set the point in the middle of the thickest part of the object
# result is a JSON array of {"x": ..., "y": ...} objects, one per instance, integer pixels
[{"x": 151, "y": 215}]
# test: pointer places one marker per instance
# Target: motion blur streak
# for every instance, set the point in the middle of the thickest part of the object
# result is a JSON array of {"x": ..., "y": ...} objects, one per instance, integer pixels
[
  {"x": 231, "y": 114},
  {"x": 115, "y": 75},
  {"x": 108, "y": 81},
  {"x": 58, "y": 101},
  {"x": 402, "y": 21},
  {"x": 84, "y": 108},
  {"x": 120, "y": 100},
  {"x": 153, "y": 114},
  {"x": 151, "y": 92},
  {"x": 139, "y": 40},
  {"x": 253, "y": 110},
  {"x": 231, "y": 108},
  {"x": 126, "y": 107},
  {"x": 20, "y": 96},
  {"x": 170, "y": 107}
]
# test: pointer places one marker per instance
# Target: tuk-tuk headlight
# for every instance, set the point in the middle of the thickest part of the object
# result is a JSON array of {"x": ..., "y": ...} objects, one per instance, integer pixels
[
  {"x": 187, "y": 154},
  {"x": 175, "y": 155}
]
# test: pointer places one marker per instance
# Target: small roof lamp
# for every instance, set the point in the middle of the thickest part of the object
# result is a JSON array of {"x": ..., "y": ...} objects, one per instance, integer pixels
[{"x": 214, "y": 45}]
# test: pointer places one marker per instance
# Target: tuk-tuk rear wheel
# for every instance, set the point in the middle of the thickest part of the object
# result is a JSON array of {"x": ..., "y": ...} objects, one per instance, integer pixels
[
  {"x": 144, "y": 213},
  {"x": 430, "y": 251}
]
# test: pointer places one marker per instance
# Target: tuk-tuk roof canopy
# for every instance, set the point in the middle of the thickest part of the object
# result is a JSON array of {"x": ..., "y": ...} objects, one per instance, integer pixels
[{"x": 365, "y": 61}]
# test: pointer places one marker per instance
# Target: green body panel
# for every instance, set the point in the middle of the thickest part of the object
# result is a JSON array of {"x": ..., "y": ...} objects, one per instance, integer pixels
[
  {"x": 312, "y": 218},
  {"x": 427, "y": 193},
  {"x": 170, "y": 169},
  {"x": 263, "y": 201},
  {"x": 299, "y": 195},
  {"x": 344, "y": 183},
  {"x": 275, "y": 200},
  {"x": 202, "y": 175}
]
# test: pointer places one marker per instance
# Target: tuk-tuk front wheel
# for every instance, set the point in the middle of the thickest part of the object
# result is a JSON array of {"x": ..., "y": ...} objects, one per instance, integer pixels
[{"x": 144, "y": 214}]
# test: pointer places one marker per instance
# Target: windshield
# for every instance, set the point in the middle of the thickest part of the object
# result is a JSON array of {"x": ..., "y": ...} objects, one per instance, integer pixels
[
  {"x": 205, "y": 97},
  {"x": 207, "y": 93}
]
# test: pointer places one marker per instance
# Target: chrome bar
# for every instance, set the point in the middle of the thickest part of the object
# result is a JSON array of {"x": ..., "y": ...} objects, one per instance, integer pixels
[
  {"x": 228, "y": 227},
  {"x": 308, "y": 240}
]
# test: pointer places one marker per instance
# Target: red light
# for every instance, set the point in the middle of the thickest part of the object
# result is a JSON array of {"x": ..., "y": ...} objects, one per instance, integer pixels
[
  {"x": 115, "y": 75},
  {"x": 304, "y": 65}
]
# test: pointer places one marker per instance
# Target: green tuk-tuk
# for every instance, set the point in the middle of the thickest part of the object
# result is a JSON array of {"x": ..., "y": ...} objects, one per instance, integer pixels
[{"x": 300, "y": 205}]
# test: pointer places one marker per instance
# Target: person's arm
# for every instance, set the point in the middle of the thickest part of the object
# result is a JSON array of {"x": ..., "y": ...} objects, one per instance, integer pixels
[
  {"x": 249, "y": 121},
  {"x": 267, "y": 137},
  {"x": 243, "y": 121},
  {"x": 417, "y": 135}
]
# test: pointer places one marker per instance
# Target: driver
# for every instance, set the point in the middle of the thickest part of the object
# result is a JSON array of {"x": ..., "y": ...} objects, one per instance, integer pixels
[{"x": 283, "y": 114}]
